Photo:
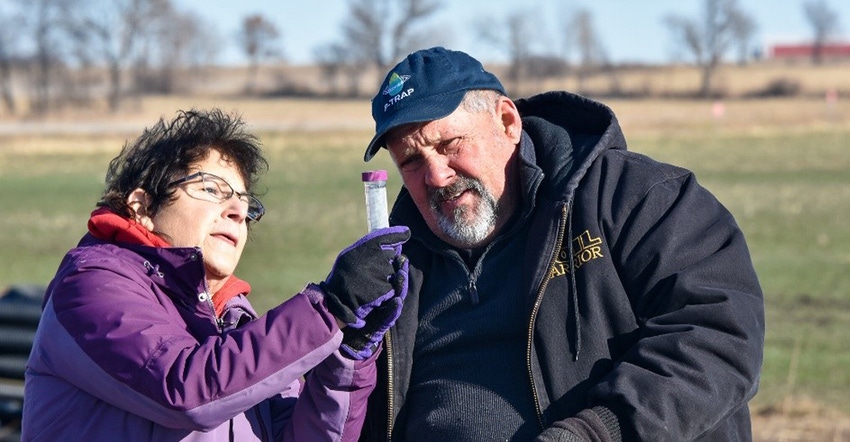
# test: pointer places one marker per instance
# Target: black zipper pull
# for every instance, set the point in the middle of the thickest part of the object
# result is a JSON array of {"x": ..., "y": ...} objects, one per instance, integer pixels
[{"x": 473, "y": 292}]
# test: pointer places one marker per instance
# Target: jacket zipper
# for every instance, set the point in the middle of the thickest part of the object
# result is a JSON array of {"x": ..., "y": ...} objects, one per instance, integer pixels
[
  {"x": 207, "y": 297},
  {"x": 538, "y": 299},
  {"x": 388, "y": 342}
]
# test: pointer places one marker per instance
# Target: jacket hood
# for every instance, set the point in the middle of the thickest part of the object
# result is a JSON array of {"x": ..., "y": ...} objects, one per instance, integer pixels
[{"x": 568, "y": 132}]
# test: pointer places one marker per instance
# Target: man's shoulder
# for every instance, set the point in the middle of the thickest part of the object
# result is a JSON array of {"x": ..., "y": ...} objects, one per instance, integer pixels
[{"x": 631, "y": 165}]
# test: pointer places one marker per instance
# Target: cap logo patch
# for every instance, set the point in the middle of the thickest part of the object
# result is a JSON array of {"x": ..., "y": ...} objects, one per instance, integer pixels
[
  {"x": 394, "y": 89},
  {"x": 395, "y": 84}
]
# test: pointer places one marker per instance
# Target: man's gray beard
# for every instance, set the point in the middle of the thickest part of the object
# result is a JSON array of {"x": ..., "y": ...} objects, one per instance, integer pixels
[{"x": 483, "y": 216}]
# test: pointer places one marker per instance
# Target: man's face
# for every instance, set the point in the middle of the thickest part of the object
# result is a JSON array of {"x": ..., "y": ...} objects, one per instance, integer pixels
[{"x": 459, "y": 171}]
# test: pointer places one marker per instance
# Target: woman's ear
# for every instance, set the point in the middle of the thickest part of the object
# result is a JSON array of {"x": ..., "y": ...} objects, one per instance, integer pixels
[{"x": 138, "y": 202}]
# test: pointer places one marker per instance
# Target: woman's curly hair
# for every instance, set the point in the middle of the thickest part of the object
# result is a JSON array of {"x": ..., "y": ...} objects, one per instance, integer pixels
[{"x": 165, "y": 152}]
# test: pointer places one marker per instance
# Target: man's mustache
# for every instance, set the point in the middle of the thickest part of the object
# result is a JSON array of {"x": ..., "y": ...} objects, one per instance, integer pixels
[{"x": 438, "y": 195}]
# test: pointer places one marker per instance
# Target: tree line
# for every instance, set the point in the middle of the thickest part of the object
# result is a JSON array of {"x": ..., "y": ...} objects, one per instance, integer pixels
[{"x": 77, "y": 51}]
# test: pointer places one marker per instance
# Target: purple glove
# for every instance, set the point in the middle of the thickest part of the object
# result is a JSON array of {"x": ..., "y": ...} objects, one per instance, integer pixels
[
  {"x": 362, "y": 342},
  {"x": 362, "y": 276}
]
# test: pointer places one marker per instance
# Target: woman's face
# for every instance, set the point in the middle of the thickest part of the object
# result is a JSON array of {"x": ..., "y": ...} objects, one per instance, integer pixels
[{"x": 219, "y": 229}]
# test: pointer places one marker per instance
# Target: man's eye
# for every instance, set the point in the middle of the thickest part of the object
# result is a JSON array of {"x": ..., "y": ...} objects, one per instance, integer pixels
[
  {"x": 411, "y": 164},
  {"x": 451, "y": 146}
]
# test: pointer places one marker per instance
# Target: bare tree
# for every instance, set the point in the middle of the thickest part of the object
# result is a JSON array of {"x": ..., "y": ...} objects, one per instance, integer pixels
[
  {"x": 520, "y": 33},
  {"x": 204, "y": 45},
  {"x": 592, "y": 54},
  {"x": 182, "y": 35},
  {"x": 376, "y": 34},
  {"x": 591, "y": 51},
  {"x": 824, "y": 22},
  {"x": 707, "y": 39},
  {"x": 176, "y": 41},
  {"x": 258, "y": 38},
  {"x": 743, "y": 28},
  {"x": 113, "y": 30},
  {"x": 514, "y": 37},
  {"x": 336, "y": 62},
  {"x": 45, "y": 21},
  {"x": 364, "y": 31},
  {"x": 380, "y": 32},
  {"x": 8, "y": 39}
]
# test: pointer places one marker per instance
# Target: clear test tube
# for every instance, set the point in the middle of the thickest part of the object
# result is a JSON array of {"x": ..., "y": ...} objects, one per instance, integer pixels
[{"x": 375, "y": 186}]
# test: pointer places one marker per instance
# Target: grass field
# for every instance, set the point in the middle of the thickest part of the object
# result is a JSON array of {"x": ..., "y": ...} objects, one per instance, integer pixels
[{"x": 782, "y": 168}]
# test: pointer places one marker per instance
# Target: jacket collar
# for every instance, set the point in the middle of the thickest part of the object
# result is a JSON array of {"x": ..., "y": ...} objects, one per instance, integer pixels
[{"x": 112, "y": 228}]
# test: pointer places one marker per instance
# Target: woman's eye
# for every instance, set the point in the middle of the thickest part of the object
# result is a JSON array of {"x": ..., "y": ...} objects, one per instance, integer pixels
[{"x": 212, "y": 190}]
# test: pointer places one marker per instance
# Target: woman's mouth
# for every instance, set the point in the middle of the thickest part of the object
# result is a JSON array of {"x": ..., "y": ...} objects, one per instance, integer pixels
[{"x": 226, "y": 237}]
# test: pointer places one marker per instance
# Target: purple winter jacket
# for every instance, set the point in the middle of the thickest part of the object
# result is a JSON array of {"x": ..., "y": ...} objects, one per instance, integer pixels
[{"x": 129, "y": 348}]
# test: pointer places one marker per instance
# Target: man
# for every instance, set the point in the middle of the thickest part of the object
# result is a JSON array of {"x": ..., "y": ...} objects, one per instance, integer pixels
[{"x": 561, "y": 287}]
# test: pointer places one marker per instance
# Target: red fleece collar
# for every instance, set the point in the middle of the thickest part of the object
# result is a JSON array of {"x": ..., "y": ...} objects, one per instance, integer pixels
[{"x": 108, "y": 226}]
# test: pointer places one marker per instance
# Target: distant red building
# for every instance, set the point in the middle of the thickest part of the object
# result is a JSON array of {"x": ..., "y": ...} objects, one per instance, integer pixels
[{"x": 799, "y": 51}]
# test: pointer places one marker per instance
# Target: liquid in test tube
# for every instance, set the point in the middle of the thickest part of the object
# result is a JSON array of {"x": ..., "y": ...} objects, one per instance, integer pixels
[{"x": 375, "y": 186}]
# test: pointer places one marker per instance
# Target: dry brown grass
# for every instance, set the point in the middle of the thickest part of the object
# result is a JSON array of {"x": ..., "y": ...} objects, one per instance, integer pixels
[
  {"x": 800, "y": 419},
  {"x": 222, "y": 88},
  {"x": 730, "y": 80},
  {"x": 85, "y": 130}
]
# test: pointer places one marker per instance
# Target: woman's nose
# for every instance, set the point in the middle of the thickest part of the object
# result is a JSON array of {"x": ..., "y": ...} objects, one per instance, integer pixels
[{"x": 236, "y": 207}]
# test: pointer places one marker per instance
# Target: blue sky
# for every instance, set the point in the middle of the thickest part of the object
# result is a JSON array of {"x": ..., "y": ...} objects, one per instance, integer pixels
[{"x": 630, "y": 30}]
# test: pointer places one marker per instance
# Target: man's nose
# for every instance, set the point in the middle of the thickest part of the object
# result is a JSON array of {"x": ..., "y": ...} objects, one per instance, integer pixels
[{"x": 439, "y": 172}]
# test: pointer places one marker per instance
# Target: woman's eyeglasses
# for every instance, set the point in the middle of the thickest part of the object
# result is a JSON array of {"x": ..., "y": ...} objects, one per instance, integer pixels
[{"x": 209, "y": 187}]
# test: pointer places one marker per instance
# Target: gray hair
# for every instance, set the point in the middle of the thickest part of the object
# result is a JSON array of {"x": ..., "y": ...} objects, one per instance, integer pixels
[{"x": 480, "y": 100}]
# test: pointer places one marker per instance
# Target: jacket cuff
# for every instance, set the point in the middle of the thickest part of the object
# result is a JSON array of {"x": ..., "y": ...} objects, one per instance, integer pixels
[
  {"x": 610, "y": 421},
  {"x": 314, "y": 293},
  {"x": 598, "y": 424}
]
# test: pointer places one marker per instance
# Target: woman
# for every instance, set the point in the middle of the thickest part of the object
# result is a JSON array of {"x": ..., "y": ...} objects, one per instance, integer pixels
[{"x": 146, "y": 333}]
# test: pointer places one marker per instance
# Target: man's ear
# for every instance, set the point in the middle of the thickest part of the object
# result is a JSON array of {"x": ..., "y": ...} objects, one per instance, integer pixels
[
  {"x": 138, "y": 201},
  {"x": 510, "y": 118}
]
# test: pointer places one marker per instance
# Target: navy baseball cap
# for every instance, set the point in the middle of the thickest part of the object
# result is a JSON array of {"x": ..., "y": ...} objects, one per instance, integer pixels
[{"x": 427, "y": 85}]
